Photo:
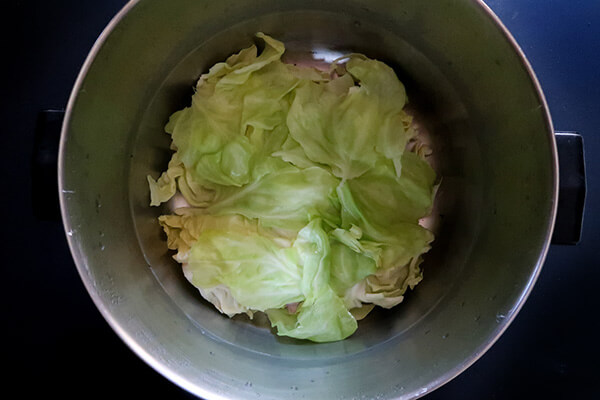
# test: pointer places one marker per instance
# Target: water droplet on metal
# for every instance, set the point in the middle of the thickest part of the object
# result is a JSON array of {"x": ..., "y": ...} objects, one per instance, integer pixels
[{"x": 500, "y": 317}]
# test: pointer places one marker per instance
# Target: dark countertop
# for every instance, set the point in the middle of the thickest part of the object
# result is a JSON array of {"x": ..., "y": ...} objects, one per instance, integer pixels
[{"x": 58, "y": 343}]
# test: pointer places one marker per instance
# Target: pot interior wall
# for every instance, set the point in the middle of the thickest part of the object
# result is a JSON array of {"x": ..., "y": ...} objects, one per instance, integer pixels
[{"x": 476, "y": 105}]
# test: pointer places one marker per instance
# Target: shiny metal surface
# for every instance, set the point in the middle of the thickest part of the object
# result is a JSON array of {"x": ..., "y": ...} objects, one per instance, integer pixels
[{"x": 473, "y": 94}]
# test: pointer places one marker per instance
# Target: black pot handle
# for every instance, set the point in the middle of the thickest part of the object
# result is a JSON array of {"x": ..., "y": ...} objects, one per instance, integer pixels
[
  {"x": 572, "y": 188},
  {"x": 44, "y": 163}
]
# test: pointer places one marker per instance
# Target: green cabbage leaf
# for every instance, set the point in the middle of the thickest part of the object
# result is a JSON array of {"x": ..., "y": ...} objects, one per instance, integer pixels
[{"x": 303, "y": 189}]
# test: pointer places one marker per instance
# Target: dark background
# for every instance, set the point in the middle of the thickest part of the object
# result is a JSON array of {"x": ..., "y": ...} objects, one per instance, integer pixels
[{"x": 56, "y": 342}]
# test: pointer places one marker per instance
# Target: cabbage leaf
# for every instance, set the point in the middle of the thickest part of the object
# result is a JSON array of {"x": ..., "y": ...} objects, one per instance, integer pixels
[{"x": 304, "y": 192}]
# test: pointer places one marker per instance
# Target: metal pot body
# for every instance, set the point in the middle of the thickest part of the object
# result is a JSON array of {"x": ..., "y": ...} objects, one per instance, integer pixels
[{"x": 484, "y": 115}]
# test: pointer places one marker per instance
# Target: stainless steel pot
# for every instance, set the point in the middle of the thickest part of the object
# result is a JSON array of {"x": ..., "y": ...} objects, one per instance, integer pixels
[{"x": 473, "y": 93}]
